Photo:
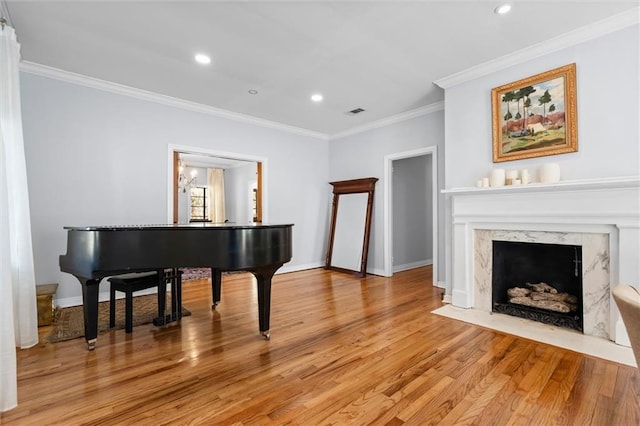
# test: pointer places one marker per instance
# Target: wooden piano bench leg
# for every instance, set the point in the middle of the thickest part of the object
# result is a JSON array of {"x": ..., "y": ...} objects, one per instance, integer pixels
[
  {"x": 129, "y": 284},
  {"x": 112, "y": 307}
]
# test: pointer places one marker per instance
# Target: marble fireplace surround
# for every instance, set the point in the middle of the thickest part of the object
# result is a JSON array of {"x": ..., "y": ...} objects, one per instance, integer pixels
[
  {"x": 603, "y": 216},
  {"x": 596, "y": 289}
]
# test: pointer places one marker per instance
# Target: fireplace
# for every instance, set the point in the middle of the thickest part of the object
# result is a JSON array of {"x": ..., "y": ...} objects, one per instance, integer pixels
[
  {"x": 601, "y": 216},
  {"x": 540, "y": 282},
  {"x": 588, "y": 251}
]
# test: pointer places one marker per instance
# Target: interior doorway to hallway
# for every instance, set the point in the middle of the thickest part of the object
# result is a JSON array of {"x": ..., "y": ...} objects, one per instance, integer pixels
[{"x": 413, "y": 240}]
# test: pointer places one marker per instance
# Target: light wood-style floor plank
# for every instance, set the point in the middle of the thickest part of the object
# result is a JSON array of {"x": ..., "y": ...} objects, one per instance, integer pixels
[{"x": 343, "y": 350}]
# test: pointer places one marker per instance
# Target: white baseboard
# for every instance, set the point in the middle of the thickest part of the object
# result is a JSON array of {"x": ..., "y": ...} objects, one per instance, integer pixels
[
  {"x": 295, "y": 268},
  {"x": 376, "y": 271},
  {"x": 74, "y": 301},
  {"x": 412, "y": 265},
  {"x": 102, "y": 297}
]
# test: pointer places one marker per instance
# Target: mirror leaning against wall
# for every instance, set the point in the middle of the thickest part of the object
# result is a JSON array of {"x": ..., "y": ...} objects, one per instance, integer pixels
[{"x": 350, "y": 230}]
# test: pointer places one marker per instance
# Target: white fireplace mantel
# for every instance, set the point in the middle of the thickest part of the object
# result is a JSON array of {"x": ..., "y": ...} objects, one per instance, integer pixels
[
  {"x": 568, "y": 185},
  {"x": 603, "y": 206}
]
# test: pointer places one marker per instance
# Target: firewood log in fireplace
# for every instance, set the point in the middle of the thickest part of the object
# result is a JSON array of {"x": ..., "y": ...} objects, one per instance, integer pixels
[
  {"x": 543, "y": 296},
  {"x": 542, "y": 288},
  {"x": 558, "y": 297},
  {"x": 550, "y": 305},
  {"x": 518, "y": 292}
]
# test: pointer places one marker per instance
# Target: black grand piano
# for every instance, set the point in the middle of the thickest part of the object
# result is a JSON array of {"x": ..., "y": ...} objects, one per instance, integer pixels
[{"x": 96, "y": 252}]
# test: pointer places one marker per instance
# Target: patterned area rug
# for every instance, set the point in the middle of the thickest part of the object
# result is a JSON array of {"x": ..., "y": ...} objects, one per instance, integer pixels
[
  {"x": 195, "y": 273},
  {"x": 68, "y": 323},
  {"x": 203, "y": 273}
]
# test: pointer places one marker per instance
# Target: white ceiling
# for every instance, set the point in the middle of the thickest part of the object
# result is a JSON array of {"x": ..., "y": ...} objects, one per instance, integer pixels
[{"x": 382, "y": 56}]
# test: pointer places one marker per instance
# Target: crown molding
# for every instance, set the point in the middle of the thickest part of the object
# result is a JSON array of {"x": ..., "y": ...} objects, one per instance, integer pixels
[
  {"x": 120, "y": 89},
  {"x": 572, "y": 38},
  {"x": 427, "y": 109}
]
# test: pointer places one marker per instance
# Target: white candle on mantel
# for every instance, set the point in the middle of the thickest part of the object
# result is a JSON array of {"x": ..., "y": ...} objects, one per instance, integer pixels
[
  {"x": 549, "y": 173},
  {"x": 497, "y": 177},
  {"x": 524, "y": 176}
]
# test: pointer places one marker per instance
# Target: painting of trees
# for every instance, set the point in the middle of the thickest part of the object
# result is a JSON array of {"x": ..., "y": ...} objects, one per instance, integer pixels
[
  {"x": 544, "y": 100},
  {"x": 507, "y": 98},
  {"x": 535, "y": 116}
]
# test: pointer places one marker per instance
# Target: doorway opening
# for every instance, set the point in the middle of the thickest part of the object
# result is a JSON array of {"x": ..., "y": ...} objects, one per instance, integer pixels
[
  {"x": 429, "y": 182},
  {"x": 245, "y": 183}
]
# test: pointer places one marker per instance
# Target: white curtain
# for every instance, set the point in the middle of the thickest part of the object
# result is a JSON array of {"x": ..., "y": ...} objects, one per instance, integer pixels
[
  {"x": 18, "y": 310},
  {"x": 215, "y": 186}
]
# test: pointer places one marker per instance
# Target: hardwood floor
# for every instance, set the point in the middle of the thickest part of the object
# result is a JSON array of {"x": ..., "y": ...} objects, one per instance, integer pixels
[{"x": 343, "y": 350}]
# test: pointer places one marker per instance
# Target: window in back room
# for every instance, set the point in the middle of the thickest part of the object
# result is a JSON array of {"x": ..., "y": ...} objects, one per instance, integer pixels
[{"x": 198, "y": 204}]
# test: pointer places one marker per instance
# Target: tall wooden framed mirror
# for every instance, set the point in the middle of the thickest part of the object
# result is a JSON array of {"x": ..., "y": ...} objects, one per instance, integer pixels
[{"x": 350, "y": 230}]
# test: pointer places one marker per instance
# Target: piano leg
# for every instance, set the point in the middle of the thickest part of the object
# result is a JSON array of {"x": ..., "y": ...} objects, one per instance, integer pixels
[
  {"x": 263, "y": 276},
  {"x": 216, "y": 286},
  {"x": 162, "y": 299},
  {"x": 174, "y": 277},
  {"x": 176, "y": 295},
  {"x": 90, "y": 305}
]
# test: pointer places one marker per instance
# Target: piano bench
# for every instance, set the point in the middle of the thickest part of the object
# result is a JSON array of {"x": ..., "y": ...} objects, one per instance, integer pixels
[{"x": 128, "y": 284}]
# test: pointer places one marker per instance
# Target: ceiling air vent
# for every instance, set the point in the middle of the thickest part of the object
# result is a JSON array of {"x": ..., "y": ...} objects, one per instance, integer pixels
[{"x": 354, "y": 111}]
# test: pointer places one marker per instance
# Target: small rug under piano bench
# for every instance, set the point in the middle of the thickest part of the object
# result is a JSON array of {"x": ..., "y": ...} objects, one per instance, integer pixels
[
  {"x": 203, "y": 273},
  {"x": 195, "y": 273},
  {"x": 68, "y": 323}
]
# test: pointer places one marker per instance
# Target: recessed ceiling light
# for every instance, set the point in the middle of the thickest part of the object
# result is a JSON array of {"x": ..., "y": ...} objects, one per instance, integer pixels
[
  {"x": 201, "y": 58},
  {"x": 502, "y": 9},
  {"x": 253, "y": 92},
  {"x": 316, "y": 97}
]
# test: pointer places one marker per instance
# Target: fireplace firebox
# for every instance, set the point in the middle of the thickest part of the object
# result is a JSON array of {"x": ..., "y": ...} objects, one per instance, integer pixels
[{"x": 540, "y": 282}]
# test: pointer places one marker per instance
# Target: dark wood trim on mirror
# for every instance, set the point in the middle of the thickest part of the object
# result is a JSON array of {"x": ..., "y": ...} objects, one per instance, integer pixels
[{"x": 352, "y": 186}]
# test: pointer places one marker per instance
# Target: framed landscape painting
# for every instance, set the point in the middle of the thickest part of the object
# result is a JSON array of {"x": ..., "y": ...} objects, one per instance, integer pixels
[{"x": 535, "y": 116}]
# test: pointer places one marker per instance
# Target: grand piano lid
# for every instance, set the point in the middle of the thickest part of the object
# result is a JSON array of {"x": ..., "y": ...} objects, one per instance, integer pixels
[{"x": 195, "y": 225}]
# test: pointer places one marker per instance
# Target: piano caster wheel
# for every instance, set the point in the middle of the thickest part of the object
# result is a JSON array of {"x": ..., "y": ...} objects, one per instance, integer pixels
[
  {"x": 91, "y": 344},
  {"x": 266, "y": 335},
  {"x": 214, "y": 306}
]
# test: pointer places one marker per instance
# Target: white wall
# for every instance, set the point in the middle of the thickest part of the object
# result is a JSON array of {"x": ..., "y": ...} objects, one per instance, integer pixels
[
  {"x": 608, "y": 88},
  {"x": 99, "y": 158},
  {"x": 362, "y": 155}
]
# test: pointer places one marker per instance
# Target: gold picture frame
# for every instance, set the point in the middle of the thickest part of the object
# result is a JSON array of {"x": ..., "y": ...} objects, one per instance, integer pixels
[{"x": 535, "y": 116}]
